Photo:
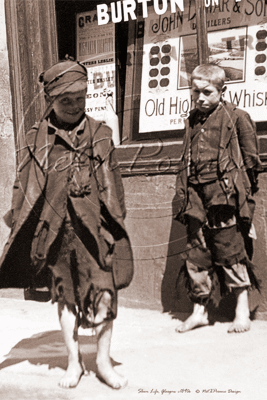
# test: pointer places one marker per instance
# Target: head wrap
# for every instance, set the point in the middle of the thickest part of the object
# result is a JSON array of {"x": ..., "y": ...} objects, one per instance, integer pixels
[{"x": 65, "y": 76}]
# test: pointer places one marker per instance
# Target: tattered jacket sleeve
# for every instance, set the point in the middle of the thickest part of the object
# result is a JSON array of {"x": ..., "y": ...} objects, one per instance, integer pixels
[
  {"x": 22, "y": 174},
  {"x": 248, "y": 141},
  {"x": 108, "y": 174},
  {"x": 113, "y": 212},
  {"x": 180, "y": 198}
]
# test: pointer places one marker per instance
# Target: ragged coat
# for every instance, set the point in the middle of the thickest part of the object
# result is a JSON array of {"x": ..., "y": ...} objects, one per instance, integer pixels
[
  {"x": 20, "y": 268},
  {"x": 238, "y": 143}
]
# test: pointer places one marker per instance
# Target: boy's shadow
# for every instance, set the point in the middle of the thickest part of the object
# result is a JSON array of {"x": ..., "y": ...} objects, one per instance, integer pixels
[
  {"x": 173, "y": 296},
  {"x": 48, "y": 348}
]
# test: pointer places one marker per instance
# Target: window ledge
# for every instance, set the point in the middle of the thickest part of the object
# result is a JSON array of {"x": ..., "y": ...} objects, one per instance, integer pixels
[{"x": 161, "y": 157}]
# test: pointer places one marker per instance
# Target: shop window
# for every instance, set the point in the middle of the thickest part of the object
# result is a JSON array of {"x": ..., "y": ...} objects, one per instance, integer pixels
[
  {"x": 163, "y": 51},
  {"x": 150, "y": 155},
  {"x": 102, "y": 49},
  {"x": 155, "y": 108},
  {"x": 154, "y": 58}
]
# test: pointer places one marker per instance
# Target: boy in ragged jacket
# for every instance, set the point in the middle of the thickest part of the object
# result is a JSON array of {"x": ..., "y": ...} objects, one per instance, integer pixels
[
  {"x": 214, "y": 199},
  {"x": 66, "y": 218}
]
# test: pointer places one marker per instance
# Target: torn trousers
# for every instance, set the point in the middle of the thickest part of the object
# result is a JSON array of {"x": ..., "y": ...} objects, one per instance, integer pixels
[{"x": 212, "y": 214}]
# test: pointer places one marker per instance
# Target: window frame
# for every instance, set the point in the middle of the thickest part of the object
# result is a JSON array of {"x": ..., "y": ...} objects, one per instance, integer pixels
[
  {"x": 133, "y": 88},
  {"x": 26, "y": 20}
]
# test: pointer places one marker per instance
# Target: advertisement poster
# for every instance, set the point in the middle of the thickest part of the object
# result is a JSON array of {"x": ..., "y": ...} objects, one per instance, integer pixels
[
  {"x": 96, "y": 50},
  {"x": 237, "y": 33}
]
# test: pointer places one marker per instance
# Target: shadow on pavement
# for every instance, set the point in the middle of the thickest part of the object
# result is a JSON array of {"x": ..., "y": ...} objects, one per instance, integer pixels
[{"x": 49, "y": 348}]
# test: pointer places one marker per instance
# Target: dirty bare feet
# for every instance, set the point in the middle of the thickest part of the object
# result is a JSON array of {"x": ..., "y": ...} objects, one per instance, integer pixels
[
  {"x": 241, "y": 322},
  {"x": 199, "y": 317},
  {"x": 107, "y": 373},
  {"x": 72, "y": 376},
  {"x": 240, "y": 325},
  {"x": 105, "y": 369},
  {"x": 69, "y": 326}
]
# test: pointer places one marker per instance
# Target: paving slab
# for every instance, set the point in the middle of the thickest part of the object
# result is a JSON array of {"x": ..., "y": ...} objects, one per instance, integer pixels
[{"x": 206, "y": 363}]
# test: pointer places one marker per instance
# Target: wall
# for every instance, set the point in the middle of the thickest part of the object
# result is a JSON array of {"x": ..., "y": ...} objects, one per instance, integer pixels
[
  {"x": 149, "y": 224},
  {"x": 7, "y": 148},
  {"x": 260, "y": 253}
]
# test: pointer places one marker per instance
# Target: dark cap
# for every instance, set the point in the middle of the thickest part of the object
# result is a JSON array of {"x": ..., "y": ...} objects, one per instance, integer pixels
[{"x": 65, "y": 76}]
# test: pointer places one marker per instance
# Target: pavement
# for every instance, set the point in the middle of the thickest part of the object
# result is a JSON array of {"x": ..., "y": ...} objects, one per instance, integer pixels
[{"x": 206, "y": 363}]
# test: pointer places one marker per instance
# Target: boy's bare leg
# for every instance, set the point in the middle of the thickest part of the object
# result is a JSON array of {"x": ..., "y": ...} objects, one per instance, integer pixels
[
  {"x": 104, "y": 333},
  {"x": 241, "y": 322},
  {"x": 199, "y": 317},
  {"x": 69, "y": 326}
]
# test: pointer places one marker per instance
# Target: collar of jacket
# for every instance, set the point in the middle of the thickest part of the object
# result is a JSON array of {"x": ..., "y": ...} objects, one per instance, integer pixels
[
  {"x": 67, "y": 136},
  {"x": 40, "y": 143},
  {"x": 228, "y": 125}
]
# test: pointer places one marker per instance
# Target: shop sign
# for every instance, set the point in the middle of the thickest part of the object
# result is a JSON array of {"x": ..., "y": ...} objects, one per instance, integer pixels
[
  {"x": 237, "y": 41},
  {"x": 126, "y": 9},
  {"x": 96, "y": 50}
]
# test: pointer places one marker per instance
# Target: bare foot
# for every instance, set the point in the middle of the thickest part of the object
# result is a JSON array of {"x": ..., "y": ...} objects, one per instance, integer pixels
[
  {"x": 105, "y": 369},
  {"x": 199, "y": 317},
  {"x": 107, "y": 373},
  {"x": 240, "y": 325},
  {"x": 241, "y": 322},
  {"x": 72, "y": 376}
]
